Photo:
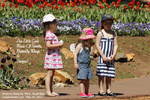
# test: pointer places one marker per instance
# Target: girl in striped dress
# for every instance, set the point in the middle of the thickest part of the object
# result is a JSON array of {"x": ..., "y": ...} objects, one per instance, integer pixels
[{"x": 106, "y": 44}]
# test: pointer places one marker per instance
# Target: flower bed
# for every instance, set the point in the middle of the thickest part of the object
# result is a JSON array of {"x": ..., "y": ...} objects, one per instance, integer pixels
[
  {"x": 91, "y": 9},
  {"x": 19, "y": 27}
]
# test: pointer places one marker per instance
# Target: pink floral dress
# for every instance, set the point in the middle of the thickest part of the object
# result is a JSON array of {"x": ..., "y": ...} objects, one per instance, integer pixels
[{"x": 53, "y": 59}]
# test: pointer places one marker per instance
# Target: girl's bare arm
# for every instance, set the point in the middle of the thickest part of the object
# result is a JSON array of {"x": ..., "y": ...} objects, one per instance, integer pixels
[
  {"x": 98, "y": 39},
  {"x": 92, "y": 51},
  {"x": 49, "y": 45},
  {"x": 75, "y": 55},
  {"x": 115, "y": 46}
]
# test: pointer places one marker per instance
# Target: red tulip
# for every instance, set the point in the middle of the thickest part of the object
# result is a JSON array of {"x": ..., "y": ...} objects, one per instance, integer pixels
[
  {"x": 72, "y": 4},
  {"x": 30, "y": 5},
  {"x": 108, "y": 6},
  {"x": 101, "y": 6},
  {"x": 148, "y": 3},
  {"x": 16, "y": 5},
  {"x": 87, "y": 3},
  {"x": 99, "y": 2},
  {"x": 125, "y": 8},
  {"x": 26, "y": 3},
  {"x": 58, "y": 3},
  {"x": 80, "y": 0},
  {"x": 13, "y": 1},
  {"x": 53, "y": 2},
  {"x": 133, "y": 2},
  {"x": 138, "y": 3},
  {"x": 137, "y": 8},
  {"x": 104, "y": 0},
  {"x": 52, "y": 7},
  {"x": 21, "y": 1},
  {"x": 95, "y": 1},
  {"x": 113, "y": 3},
  {"x": 77, "y": 9},
  {"x": 62, "y": 3},
  {"x": 118, "y": 2},
  {"x": 43, "y": 5},
  {"x": 145, "y": 6},
  {"x": 92, "y": 1},
  {"x": 3, "y": 5},
  {"x": 130, "y": 3},
  {"x": 131, "y": 7},
  {"x": 117, "y": 6},
  {"x": 63, "y": 7},
  {"x": 83, "y": 2},
  {"x": 56, "y": 7},
  {"x": 115, "y": 18},
  {"x": 49, "y": 4},
  {"x": 78, "y": 4},
  {"x": 10, "y": 4},
  {"x": 66, "y": 3},
  {"x": 40, "y": 7},
  {"x": 36, "y": 1},
  {"x": 5, "y": 0},
  {"x": 75, "y": 1},
  {"x": 80, "y": 11},
  {"x": 45, "y": 2}
]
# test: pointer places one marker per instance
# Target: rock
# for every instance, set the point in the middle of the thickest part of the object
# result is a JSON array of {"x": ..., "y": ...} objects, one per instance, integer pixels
[
  {"x": 65, "y": 77},
  {"x": 3, "y": 47},
  {"x": 59, "y": 77},
  {"x": 67, "y": 53},
  {"x": 72, "y": 47},
  {"x": 3, "y": 43},
  {"x": 121, "y": 57},
  {"x": 38, "y": 78},
  {"x": 12, "y": 51},
  {"x": 60, "y": 85},
  {"x": 96, "y": 54},
  {"x": 130, "y": 56}
]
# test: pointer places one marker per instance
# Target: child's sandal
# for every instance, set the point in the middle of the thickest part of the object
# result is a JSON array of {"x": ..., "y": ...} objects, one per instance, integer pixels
[
  {"x": 50, "y": 94},
  {"x": 56, "y": 94}
]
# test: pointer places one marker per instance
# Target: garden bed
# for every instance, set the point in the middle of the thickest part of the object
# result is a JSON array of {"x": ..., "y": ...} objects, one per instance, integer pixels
[{"x": 136, "y": 68}]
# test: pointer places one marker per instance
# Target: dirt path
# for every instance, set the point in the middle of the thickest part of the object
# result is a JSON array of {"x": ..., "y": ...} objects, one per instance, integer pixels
[{"x": 124, "y": 89}]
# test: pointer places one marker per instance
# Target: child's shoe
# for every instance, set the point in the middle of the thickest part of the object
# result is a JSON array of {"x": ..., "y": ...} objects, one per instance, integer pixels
[
  {"x": 90, "y": 95},
  {"x": 83, "y": 95}
]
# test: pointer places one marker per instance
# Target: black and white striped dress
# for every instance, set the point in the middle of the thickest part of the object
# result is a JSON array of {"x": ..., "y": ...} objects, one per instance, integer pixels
[{"x": 106, "y": 69}]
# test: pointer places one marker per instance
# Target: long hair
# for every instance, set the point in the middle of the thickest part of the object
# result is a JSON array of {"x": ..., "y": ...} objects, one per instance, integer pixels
[
  {"x": 47, "y": 26},
  {"x": 84, "y": 43}
]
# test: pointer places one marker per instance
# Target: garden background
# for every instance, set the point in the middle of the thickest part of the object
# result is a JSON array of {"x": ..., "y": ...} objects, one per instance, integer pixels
[{"x": 21, "y": 19}]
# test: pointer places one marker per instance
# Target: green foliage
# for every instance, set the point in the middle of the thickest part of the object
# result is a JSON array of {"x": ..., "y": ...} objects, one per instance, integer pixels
[
  {"x": 7, "y": 79},
  {"x": 95, "y": 13}
]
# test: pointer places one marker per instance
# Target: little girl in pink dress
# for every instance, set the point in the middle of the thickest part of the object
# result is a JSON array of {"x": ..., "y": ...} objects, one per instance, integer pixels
[{"x": 53, "y": 58}]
